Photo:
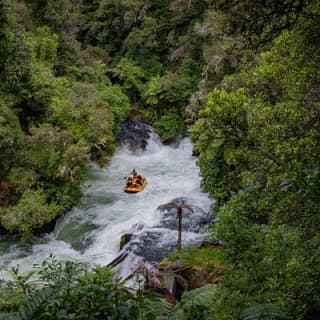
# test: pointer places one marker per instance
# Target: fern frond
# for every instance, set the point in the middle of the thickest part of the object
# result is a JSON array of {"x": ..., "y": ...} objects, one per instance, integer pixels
[
  {"x": 159, "y": 307},
  {"x": 200, "y": 296},
  {"x": 266, "y": 311},
  {"x": 33, "y": 303},
  {"x": 6, "y": 316}
]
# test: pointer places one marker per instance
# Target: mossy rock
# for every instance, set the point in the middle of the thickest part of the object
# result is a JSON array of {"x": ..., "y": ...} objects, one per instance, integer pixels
[
  {"x": 125, "y": 238},
  {"x": 163, "y": 264}
]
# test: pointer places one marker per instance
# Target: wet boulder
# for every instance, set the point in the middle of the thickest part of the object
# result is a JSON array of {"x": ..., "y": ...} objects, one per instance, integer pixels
[
  {"x": 194, "y": 218},
  {"x": 154, "y": 243},
  {"x": 134, "y": 134}
]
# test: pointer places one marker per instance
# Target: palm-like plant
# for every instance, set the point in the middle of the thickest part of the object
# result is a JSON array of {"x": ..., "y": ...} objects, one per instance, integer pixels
[
  {"x": 179, "y": 205},
  {"x": 266, "y": 311}
]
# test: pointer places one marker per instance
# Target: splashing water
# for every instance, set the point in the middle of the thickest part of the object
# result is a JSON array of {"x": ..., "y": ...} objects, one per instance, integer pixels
[{"x": 91, "y": 231}]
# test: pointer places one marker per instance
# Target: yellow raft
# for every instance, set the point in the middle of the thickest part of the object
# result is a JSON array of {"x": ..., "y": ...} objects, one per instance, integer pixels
[{"x": 134, "y": 187}]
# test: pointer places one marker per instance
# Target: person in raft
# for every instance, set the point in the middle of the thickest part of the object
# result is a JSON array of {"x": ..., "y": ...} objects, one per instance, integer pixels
[
  {"x": 139, "y": 180},
  {"x": 132, "y": 178},
  {"x": 129, "y": 182},
  {"x": 134, "y": 173}
]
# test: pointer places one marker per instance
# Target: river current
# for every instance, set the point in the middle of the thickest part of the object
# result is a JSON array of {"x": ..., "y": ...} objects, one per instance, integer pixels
[{"x": 91, "y": 231}]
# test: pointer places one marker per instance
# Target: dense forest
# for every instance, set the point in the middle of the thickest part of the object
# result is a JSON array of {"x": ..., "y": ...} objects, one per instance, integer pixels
[{"x": 241, "y": 77}]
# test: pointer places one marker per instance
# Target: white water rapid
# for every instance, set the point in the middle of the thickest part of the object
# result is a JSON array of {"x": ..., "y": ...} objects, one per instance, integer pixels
[{"x": 91, "y": 231}]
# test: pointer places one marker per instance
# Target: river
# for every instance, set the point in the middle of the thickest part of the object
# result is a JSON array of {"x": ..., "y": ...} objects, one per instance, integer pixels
[{"x": 91, "y": 231}]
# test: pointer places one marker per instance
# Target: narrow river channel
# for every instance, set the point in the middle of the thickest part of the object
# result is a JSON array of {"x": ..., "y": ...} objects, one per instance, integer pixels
[{"x": 91, "y": 231}]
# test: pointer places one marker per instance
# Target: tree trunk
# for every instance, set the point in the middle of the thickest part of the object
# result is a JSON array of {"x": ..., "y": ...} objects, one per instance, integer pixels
[{"x": 179, "y": 216}]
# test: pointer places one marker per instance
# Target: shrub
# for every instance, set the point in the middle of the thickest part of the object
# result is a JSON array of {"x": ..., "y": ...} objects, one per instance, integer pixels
[{"x": 169, "y": 126}]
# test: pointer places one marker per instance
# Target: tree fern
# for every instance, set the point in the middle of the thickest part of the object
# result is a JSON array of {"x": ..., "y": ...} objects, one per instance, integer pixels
[
  {"x": 200, "y": 296},
  {"x": 34, "y": 303},
  {"x": 159, "y": 307},
  {"x": 196, "y": 304},
  {"x": 178, "y": 205},
  {"x": 266, "y": 311},
  {"x": 6, "y": 316}
]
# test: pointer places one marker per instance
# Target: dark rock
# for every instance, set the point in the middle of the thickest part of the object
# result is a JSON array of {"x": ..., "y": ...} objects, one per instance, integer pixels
[
  {"x": 166, "y": 294},
  {"x": 188, "y": 277},
  {"x": 5, "y": 232},
  {"x": 136, "y": 114},
  {"x": 154, "y": 244},
  {"x": 207, "y": 243},
  {"x": 184, "y": 277},
  {"x": 135, "y": 134},
  {"x": 195, "y": 153},
  {"x": 192, "y": 221},
  {"x": 148, "y": 245},
  {"x": 197, "y": 277}
]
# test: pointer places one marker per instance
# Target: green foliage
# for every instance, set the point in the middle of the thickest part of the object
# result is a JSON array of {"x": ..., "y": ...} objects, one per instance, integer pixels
[
  {"x": 257, "y": 138},
  {"x": 131, "y": 77},
  {"x": 210, "y": 258},
  {"x": 219, "y": 134},
  {"x": 49, "y": 146},
  {"x": 212, "y": 302},
  {"x": 265, "y": 311},
  {"x": 17, "y": 58},
  {"x": 21, "y": 178},
  {"x": 118, "y": 102},
  {"x": 33, "y": 303},
  {"x": 262, "y": 22},
  {"x": 216, "y": 177},
  {"x": 21, "y": 281},
  {"x": 223, "y": 120},
  {"x": 51, "y": 124},
  {"x": 154, "y": 51},
  {"x": 87, "y": 116},
  {"x": 12, "y": 293},
  {"x": 150, "y": 63},
  {"x": 10, "y": 299},
  {"x": 58, "y": 15},
  {"x": 154, "y": 91},
  {"x": 70, "y": 291},
  {"x": 69, "y": 58},
  {"x": 10, "y": 138},
  {"x": 188, "y": 76},
  {"x": 169, "y": 125},
  {"x": 31, "y": 211},
  {"x": 197, "y": 304},
  {"x": 173, "y": 88},
  {"x": 46, "y": 45}
]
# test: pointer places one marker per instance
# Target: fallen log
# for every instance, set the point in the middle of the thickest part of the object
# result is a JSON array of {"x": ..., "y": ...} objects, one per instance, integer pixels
[{"x": 117, "y": 260}]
